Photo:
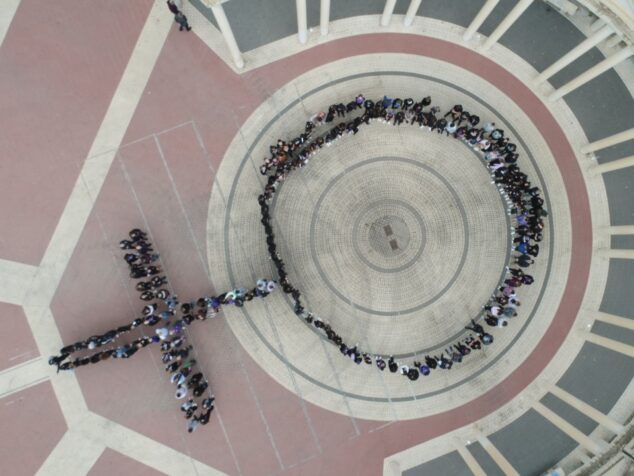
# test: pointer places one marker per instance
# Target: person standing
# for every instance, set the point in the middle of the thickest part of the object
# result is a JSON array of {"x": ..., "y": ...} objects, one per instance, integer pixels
[
  {"x": 171, "y": 4},
  {"x": 182, "y": 21}
]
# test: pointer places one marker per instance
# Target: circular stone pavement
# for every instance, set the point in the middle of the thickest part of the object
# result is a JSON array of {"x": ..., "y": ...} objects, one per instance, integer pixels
[{"x": 396, "y": 236}]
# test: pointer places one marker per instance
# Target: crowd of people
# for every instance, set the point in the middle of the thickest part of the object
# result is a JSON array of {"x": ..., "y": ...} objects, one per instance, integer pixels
[
  {"x": 171, "y": 318},
  {"x": 524, "y": 202}
]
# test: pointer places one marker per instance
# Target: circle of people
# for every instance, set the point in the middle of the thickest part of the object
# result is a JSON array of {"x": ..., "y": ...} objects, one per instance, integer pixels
[
  {"x": 164, "y": 308},
  {"x": 524, "y": 203}
]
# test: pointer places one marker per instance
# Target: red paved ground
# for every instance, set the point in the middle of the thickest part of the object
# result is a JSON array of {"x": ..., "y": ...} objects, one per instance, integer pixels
[{"x": 53, "y": 111}]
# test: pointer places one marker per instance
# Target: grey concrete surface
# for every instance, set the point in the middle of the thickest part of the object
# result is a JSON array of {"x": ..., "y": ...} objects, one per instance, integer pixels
[
  {"x": 619, "y": 185},
  {"x": 533, "y": 455},
  {"x": 598, "y": 376},
  {"x": 618, "y": 298},
  {"x": 450, "y": 463},
  {"x": 613, "y": 332},
  {"x": 622, "y": 242},
  {"x": 484, "y": 460}
]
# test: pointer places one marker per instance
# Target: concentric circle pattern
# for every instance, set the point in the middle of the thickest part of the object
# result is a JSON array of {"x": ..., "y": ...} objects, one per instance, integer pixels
[
  {"x": 396, "y": 236},
  {"x": 426, "y": 191}
]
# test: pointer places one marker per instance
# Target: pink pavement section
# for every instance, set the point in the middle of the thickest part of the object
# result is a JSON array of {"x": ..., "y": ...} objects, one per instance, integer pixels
[
  {"x": 32, "y": 425},
  {"x": 111, "y": 462},
  {"x": 60, "y": 64}
]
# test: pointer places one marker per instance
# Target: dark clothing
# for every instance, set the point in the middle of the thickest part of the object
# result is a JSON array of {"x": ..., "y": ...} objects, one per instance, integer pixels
[
  {"x": 173, "y": 8},
  {"x": 182, "y": 21}
]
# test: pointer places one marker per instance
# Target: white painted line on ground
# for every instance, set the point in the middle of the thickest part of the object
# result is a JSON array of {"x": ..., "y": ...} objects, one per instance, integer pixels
[
  {"x": 15, "y": 280},
  {"x": 7, "y": 12},
  {"x": 65, "y": 385},
  {"x": 22, "y": 376},
  {"x": 144, "y": 449},
  {"x": 74, "y": 455}
]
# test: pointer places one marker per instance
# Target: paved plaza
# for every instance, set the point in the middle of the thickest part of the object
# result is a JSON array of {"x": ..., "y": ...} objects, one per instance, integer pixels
[{"x": 397, "y": 236}]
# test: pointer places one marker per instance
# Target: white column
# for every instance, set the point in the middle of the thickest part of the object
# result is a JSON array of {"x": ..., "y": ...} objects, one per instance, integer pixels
[
  {"x": 596, "y": 24},
  {"x": 482, "y": 15},
  {"x": 586, "y": 409},
  {"x": 498, "y": 457},
  {"x": 624, "y": 322},
  {"x": 621, "y": 230},
  {"x": 411, "y": 12},
  {"x": 594, "y": 446},
  {"x": 613, "y": 42},
  {"x": 324, "y": 17},
  {"x": 387, "y": 12},
  {"x": 609, "y": 141},
  {"x": 227, "y": 34},
  {"x": 614, "y": 165},
  {"x": 592, "y": 73},
  {"x": 583, "y": 47},
  {"x": 470, "y": 461},
  {"x": 615, "y": 345},
  {"x": 619, "y": 254},
  {"x": 507, "y": 23},
  {"x": 302, "y": 21}
]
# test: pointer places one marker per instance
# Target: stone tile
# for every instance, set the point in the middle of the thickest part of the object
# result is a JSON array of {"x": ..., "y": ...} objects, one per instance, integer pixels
[{"x": 32, "y": 425}]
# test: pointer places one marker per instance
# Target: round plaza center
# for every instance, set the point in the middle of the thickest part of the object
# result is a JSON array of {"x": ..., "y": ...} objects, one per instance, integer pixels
[{"x": 382, "y": 242}]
